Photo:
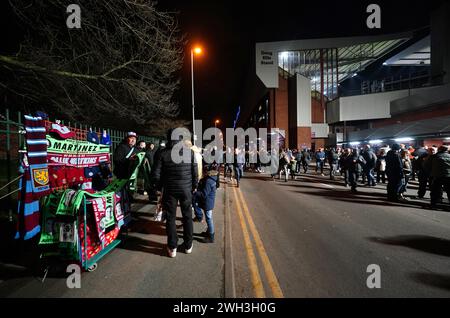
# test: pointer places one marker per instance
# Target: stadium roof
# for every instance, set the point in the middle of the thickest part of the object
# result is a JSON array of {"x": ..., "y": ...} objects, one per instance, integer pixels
[{"x": 342, "y": 57}]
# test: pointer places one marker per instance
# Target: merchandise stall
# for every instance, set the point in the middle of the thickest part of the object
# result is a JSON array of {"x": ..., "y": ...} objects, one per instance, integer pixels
[{"x": 67, "y": 195}]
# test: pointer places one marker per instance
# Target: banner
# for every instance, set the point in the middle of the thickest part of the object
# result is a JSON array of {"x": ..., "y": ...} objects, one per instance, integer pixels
[
  {"x": 75, "y": 147},
  {"x": 118, "y": 209},
  {"x": 70, "y": 202},
  {"x": 78, "y": 153},
  {"x": 80, "y": 161},
  {"x": 104, "y": 214}
]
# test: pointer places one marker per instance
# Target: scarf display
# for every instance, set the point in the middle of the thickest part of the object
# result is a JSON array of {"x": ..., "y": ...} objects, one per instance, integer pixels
[
  {"x": 104, "y": 214},
  {"x": 76, "y": 153},
  {"x": 59, "y": 235},
  {"x": 57, "y": 197},
  {"x": 63, "y": 222},
  {"x": 118, "y": 212}
]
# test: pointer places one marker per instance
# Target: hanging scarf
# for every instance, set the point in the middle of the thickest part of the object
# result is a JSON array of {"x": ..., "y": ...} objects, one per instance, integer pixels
[
  {"x": 37, "y": 156},
  {"x": 107, "y": 212}
]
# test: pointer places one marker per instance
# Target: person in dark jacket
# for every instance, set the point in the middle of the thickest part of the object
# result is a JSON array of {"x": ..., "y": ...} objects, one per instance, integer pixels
[
  {"x": 153, "y": 193},
  {"x": 124, "y": 162},
  {"x": 205, "y": 197},
  {"x": 150, "y": 154},
  {"x": 124, "y": 156},
  {"x": 371, "y": 161},
  {"x": 354, "y": 164},
  {"x": 148, "y": 166},
  {"x": 320, "y": 160},
  {"x": 424, "y": 174},
  {"x": 228, "y": 164},
  {"x": 439, "y": 166},
  {"x": 333, "y": 160},
  {"x": 306, "y": 158},
  {"x": 345, "y": 165},
  {"x": 298, "y": 158},
  {"x": 177, "y": 179},
  {"x": 394, "y": 173}
]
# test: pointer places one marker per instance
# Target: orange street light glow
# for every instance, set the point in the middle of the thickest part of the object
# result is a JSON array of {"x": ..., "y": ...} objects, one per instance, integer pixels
[
  {"x": 217, "y": 121},
  {"x": 197, "y": 50}
]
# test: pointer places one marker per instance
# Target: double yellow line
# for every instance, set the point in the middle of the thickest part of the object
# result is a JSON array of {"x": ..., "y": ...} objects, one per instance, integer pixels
[{"x": 244, "y": 214}]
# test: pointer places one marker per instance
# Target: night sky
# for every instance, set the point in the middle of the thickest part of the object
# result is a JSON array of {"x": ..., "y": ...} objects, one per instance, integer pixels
[{"x": 228, "y": 30}]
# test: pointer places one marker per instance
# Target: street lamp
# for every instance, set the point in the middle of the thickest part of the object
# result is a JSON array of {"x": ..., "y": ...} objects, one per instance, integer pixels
[
  {"x": 216, "y": 122},
  {"x": 197, "y": 50}
]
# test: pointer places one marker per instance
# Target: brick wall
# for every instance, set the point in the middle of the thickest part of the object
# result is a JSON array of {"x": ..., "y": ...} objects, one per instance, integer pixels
[
  {"x": 319, "y": 142},
  {"x": 281, "y": 107},
  {"x": 317, "y": 112},
  {"x": 303, "y": 137}
]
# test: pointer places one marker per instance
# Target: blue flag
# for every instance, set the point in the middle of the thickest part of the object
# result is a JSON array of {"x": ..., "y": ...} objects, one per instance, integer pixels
[{"x": 237, "y": 117}]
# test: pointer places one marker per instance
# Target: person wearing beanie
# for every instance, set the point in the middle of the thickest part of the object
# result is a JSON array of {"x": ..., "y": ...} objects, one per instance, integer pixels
[
  {"x": 123, "y": 155},
  {"x": 124, "y": 160}
]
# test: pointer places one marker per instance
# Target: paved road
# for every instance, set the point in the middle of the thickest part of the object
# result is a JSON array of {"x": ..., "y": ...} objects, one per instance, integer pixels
[
  {"x": 318, "y": 239},
  {"x": 305, "y": 238}
]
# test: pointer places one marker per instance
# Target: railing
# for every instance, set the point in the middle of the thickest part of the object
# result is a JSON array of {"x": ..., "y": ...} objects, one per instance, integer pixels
[
  {"x": 394, "y": 83},
  {"x": 12, "y": 139}
]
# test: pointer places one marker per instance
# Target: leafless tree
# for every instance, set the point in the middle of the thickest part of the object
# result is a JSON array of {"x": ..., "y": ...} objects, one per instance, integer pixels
[{"x": 120, "y": 66}]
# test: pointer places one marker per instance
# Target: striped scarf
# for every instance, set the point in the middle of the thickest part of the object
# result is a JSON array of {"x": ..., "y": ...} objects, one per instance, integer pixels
[
  {"x": 28, "y": 209},
  {"x": 37, "y": 156},
  {"x": 34, "y": 183}
]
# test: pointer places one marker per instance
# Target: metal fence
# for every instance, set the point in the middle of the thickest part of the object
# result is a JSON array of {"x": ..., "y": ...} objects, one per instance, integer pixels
[{"x": 12, "y": 140}]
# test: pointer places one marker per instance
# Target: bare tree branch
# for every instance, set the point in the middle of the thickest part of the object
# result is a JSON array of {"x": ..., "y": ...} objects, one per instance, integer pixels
[{"x": 122, "y": 64}]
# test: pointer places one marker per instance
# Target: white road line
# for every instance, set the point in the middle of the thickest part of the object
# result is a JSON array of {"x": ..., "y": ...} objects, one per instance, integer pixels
[{"x": 326, "y": 185}]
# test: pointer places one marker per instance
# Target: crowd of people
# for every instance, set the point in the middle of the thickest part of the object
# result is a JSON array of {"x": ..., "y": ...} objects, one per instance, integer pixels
[
  {"x": 170, "y": 183},
  {"x": 192, "y": 185},
  {"x": 395, "y": 166}
]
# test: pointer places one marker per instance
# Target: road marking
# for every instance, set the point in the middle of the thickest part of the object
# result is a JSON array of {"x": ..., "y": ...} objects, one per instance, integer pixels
[
  {"x": 254, "y": 272},
  {"x": 270, "y": 274},
  {"x": 230, "y": 288},
  {"x": 311, "y": 179}
]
